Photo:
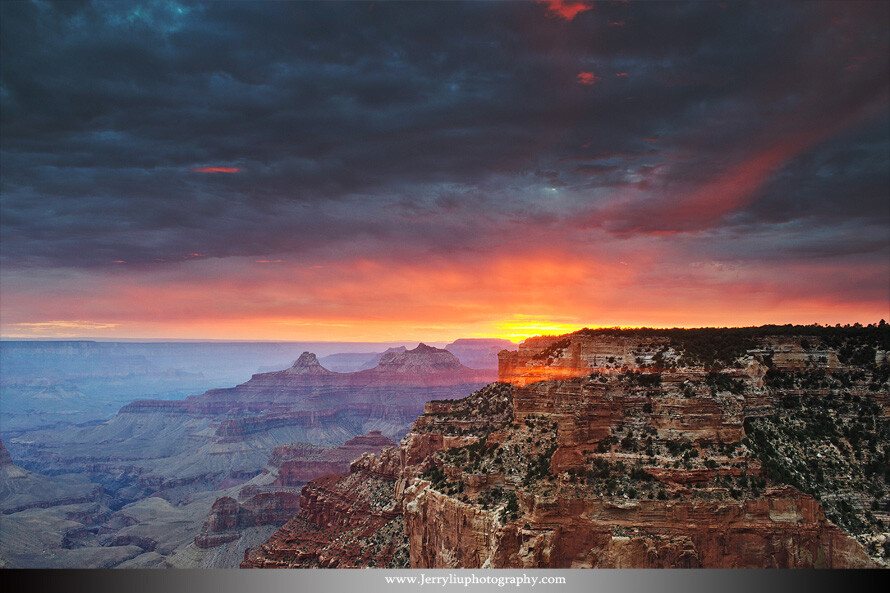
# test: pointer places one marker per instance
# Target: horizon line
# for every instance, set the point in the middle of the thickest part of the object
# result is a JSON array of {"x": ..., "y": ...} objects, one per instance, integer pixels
[{"x": 425, "y": 341}]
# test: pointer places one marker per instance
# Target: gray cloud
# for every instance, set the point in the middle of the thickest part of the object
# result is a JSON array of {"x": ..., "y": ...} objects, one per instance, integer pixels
[{"x": 442, "y": 125}]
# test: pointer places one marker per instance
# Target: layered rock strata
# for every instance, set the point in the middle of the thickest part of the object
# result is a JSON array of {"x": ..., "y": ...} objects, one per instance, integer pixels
[
  {"x": 291, "y": 466},
  {"x": 228, "y": 516},
  {"x": 345, "y": 521},
  {"x": 627, "y": 450},
  {"x": 401, "y": 378},
  {"x": 21, "y": 490},
  {"x": 215, "y": 439},
  {"x": 295, "y": 468}
]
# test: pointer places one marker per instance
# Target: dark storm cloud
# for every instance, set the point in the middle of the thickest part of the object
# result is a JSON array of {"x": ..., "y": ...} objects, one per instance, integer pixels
[{"x": 446, "y": 125}]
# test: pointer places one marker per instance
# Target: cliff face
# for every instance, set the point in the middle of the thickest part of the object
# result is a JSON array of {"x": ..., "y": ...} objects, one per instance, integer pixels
[
  {"x": 626, "y": 451},
  {"x": 216, "y": 447},
  {"x": 345, "y": 521},
  {"x": 299, "y": 463},
  {"x": 5, "y": 459},
  {"x": 781, "y": 529},
  {"x": 228, "y": 516},
  {"x": 291, "y": 466}
]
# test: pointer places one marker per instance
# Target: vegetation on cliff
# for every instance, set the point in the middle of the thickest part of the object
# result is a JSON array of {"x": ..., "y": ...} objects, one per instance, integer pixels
[
  {"x": 833, "y": 444},
  {"x": 722, "y": 346}
]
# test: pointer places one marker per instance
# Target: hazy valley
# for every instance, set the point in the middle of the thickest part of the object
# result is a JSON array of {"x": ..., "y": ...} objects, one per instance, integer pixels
[{"x": 139, "y": 489}]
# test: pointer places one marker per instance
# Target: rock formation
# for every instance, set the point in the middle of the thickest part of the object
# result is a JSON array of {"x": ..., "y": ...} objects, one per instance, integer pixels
[
  {"x": 171, "y": 447},
  {"x": 406, "y": 378},
  {"x": 5, "y": 459},
  {"x": 641, "y": 448},
  {"x": 345, "y": 521},
  {"x": 228, "y": 516},
  {"x": 273, "y": 504},
  {"x": 297, "y": 465},
  {"x": 21, "y": 489}
]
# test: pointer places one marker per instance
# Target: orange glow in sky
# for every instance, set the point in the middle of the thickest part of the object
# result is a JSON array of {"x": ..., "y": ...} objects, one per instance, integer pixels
[
  {"x": 511, "y": 296},
  {"x": 521, "y": 327}
]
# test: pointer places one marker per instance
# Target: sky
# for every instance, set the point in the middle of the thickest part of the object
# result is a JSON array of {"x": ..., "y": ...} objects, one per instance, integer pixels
[{"x": 384, "y": 171}]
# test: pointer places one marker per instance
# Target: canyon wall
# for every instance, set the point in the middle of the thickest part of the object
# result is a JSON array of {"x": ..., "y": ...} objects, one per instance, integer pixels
[{"x": 600, "y": 450}]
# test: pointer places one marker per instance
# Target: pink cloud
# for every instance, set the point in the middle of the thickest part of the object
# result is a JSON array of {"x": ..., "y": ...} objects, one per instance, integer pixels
[
  {"x": 565, "y": 9},
  {"x": 215, "y": 169},
  {"x": 588, "y": 78},
  {"x": 726, "y": 191}
]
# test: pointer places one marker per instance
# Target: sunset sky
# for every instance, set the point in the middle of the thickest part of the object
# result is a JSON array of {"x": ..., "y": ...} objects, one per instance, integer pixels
[{"x": 430, "y": 171}]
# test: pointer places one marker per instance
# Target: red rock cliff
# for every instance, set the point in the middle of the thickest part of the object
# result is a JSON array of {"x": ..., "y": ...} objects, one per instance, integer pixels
[{"x": 594, "y": 454}]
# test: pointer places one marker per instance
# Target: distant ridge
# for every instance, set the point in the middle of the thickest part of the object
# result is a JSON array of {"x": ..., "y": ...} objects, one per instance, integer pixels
[
  {"x": 401, "y": 378},
  {"x": 479, "y": 353}
]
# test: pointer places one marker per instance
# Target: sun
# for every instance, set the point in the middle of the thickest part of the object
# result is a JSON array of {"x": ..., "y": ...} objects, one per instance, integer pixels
[{"x": 521, "y": 327}]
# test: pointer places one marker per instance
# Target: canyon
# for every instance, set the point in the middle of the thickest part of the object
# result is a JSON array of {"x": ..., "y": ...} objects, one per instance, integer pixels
[
  {"x": 193, "y": 482},
  {"x": 721, "y": 448},
  {"x": 178, "y": 447},
  {"x": 740, "y": 447}
]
